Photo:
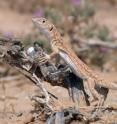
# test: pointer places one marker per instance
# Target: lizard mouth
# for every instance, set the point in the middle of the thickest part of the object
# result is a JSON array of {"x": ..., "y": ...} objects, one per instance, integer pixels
[{"x": 34, "y": 20}]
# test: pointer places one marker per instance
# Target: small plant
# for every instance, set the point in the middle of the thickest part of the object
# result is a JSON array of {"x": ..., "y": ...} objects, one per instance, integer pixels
[
  {"x": 103, "y": 33},
  {"x": 80, "y": 9},
  {"x": 45, "y": 45},
  {"x": 39, "y": 13},
  {"x": 97, "y": 58},
  {"x": 53, "y": 14},
  {"x": 88, "y": 11},
  {"x": 90, "y": 31},
  {"x": 28, "y": 39}
]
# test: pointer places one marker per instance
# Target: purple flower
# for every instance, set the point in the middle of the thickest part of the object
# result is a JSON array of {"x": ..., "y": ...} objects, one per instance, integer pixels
[
  {"x": 8, "y": 35},
  {"x": 76, "y": 2},
  {"x": 38, "y": 13},
  {"x": 103, "y": 49}
]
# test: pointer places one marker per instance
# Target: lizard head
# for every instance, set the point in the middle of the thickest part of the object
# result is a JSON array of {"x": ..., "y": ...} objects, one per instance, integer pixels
[{"x": 44, "y": 26}]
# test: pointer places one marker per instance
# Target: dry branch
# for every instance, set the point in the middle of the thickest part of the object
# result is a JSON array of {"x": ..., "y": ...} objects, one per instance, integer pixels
[{"x": 94, "y": 42}]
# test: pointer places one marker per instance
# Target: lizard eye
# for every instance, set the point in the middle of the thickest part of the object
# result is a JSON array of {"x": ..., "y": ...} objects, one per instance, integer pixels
[{"x": 43, "y": 21}]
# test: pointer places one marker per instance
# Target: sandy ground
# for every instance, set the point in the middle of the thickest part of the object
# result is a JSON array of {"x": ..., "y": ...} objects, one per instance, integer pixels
[
  {"x": 18, "y": 24},
  {"x": 15, "y": 103}
]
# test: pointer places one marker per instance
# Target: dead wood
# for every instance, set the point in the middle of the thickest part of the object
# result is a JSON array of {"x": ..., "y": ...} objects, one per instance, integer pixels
[{"x": 87, "y": 43}]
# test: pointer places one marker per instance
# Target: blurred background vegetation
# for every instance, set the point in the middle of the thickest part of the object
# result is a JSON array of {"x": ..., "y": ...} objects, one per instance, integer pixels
[{"x": 89, "y": 19}]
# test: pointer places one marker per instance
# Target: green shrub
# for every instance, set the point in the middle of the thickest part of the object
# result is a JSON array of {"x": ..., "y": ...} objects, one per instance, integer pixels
[{"x": 103, "y": 33}]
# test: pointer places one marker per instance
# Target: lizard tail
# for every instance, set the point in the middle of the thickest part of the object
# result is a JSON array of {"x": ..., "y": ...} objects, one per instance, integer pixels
[{"x": 112, "y": 86}]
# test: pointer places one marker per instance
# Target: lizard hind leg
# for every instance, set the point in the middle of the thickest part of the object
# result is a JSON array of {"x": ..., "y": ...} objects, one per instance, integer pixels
[
  {"x": 94, "y": 92},
  {"x": 99, "y": 95},
  {"x": 96, "y": 98},
  {"x": 103, "y": 95}
]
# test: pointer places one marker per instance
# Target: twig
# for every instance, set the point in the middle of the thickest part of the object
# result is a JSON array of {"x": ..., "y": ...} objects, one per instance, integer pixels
[
  {"x": 40, "y": 84},
  {"x": 33, "y": 81},
  {"x": 95, "y": 42}
]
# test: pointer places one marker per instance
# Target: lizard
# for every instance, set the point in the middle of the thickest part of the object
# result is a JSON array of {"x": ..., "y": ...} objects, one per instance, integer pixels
[
  {"x": 57, "y": 75},
  {"x": 82, "y": 70},
  {"x": 42, "y": 60}
]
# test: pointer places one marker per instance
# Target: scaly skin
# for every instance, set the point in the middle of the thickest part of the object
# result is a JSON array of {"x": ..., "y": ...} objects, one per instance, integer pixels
[{"x": 76, "y": 65}]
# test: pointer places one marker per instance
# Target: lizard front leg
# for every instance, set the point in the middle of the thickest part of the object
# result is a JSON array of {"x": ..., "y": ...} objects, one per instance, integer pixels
[{"x": 53, "y": 55}]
